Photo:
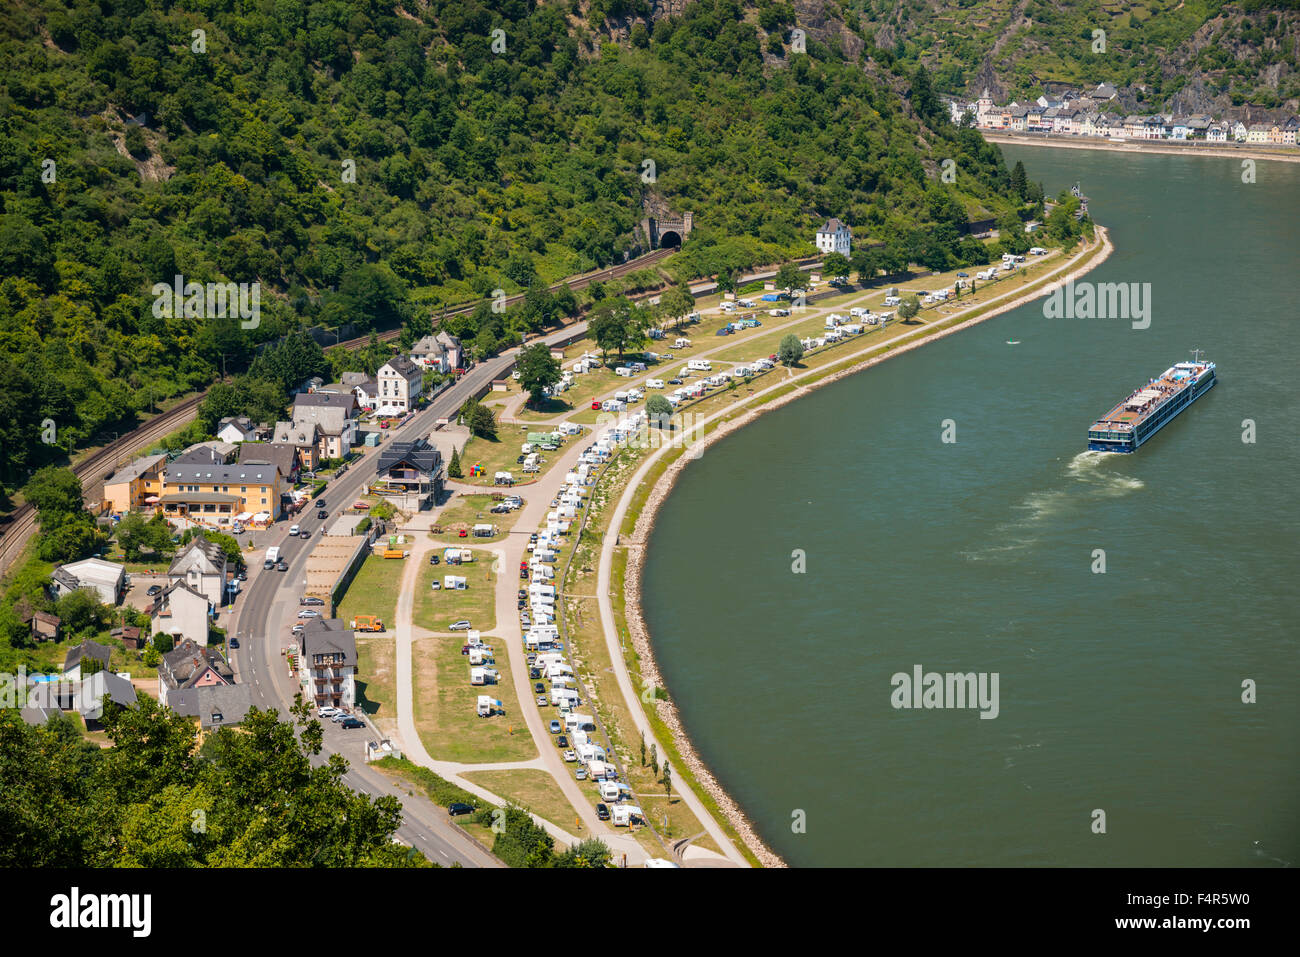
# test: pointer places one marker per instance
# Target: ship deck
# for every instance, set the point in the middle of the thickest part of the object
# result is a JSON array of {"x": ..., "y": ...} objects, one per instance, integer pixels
[{"x": 1142, "y": 402}]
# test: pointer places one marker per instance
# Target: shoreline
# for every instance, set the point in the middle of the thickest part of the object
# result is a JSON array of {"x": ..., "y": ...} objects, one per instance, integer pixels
[
  {"x": 1144, "y": 146},
  {"x": 638, "y": 631}
]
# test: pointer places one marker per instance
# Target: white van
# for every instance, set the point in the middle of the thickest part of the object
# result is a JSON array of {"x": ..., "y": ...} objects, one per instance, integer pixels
[
  {"x": 654, "y": 383},
  {"x": 699, "y": 365},
  {"x": 893, "y": 301},
  {"x": 294, "y": 530}
]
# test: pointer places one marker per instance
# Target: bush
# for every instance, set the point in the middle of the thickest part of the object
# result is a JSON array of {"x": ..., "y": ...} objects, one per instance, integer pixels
[{"x": 441, "y": 791}]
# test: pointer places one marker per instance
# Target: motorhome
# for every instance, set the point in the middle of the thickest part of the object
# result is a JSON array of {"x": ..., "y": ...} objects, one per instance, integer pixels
[
  {"x": 479, "y": 654},
  {"x": 699, "y": 365},
  {"x": 613, "y": 790},
  {"x": 565, "y": 695},
  {"x": 455, "y": 582},
  {"x": 273, "y": 554},
  {"x": 581, "y": 722},
  {"x": 623, "y": 815},
  {"x": 486, "y": 706},
  {"x": 483, "y": 676},
  {"x": 681, "y": 343},
  {"x": 893, "y": 300}
]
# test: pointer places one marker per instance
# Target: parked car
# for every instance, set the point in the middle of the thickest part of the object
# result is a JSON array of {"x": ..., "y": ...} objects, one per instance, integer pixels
[
  {"x": 580, "y": 774},
  {"x": 534, "y": 672},
  {"x": 338, "y": 717},
  {"x": 311, "y": 600},
  {"x": 327, "y": 711},
  {"x": 462, "y": 625},
  {"x": 523, "y": 573},
  {"x": 532, "y": 537},
  {"x": 463, "y": 533},
  {"x": 154, "y": 590},
  {"x": 674, "y": 381},
  {"x": 282, "y": 566},
  {"x": 308, "y": 613},
  {"x": 457, "y": 809},
  {"x": 562, "y": 741},
  {"x": 555, "y": 727},
  {"x": 602, "y": 812},
  {"x": 362, "y": 506},
  {"x": 242, "y": 576},
  {"x": 570, "y": 756},
  {"x": 522, "y": 603},
  {"x": 520, "y": 460},
  {"x": 234, "y": 642},
  {"x": 434, "y": 559},
  {"x": 542, "y": 701},
  {"x": 296, "y": 630},
  {"x": 351, "y": 723},
  {"x": 539, "y": 688},
  {"x": 523, "y": 593}
]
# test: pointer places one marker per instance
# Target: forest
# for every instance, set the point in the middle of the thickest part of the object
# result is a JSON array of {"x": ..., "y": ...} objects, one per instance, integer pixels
[{"x": 366, "y": 164}]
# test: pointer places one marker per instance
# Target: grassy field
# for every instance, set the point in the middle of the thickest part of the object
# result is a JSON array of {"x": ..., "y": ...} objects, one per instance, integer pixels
[
  {"x": 377, "y": 680},
  {"x": 501, "y": 455},
  {"x": 435, "y": 610},
  {"x": 374, "y": 590},
  {"x": 466, "y": 511},
  {"x": 533, "y": 789},
  {"x": 444, "y": 706}
]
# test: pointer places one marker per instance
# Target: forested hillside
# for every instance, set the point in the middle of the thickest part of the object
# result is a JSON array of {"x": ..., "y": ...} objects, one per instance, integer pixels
[
  {"x": 1163, "y": 55},
  {"x": 364, "y": 162}
]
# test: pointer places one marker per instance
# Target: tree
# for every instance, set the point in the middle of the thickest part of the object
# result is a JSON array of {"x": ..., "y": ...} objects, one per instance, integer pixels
[
  {"x": 453, "y": 467},
  {"x": 659, "y": 410},
  {"x": 836, "y": 264},
  {"x": 135, "y": 535},
  {"x": 81, "y": 612},
  {"x": 866, "y": 263},
  {"x": 789, "y": 276},
  {"x": 654, "y": 759},
  {"x": 538, "y": 371},
  {"x": 677, "y": 303},
  {"x": 616, "y": 324},
  {"x": 668, "y": 780},
  {"x": 909, "y": 307},
  {"x": 790, "y": 351},
  {"x": 642, "y": 749},
  {"x": 56, "y": 495},
  {"x": 1018, "y": 179},
  {"x": 592, "y": 852},
  {"x": 479, "y": 419}
]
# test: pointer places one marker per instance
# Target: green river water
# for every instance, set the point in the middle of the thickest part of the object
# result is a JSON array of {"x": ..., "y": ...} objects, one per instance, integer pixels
[{"x": 1118, "y": 691}]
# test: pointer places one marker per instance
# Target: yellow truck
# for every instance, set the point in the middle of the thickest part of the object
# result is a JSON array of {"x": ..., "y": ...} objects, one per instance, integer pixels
[{"x": 367, "y": 623}]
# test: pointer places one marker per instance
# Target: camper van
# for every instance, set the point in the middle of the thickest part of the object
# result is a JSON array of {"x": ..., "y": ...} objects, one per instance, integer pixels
[
  {"x": 622, "y": 815},
  {"x": 681, "y": 343},
  {"x": 273, "y": 554},
  {"x": 699, "y": 365},
  {"x": 565, "y": 696},
  {"x": 893, "y": 300},
  {"x": 581, "y": 722},
  {"x": 613, "y": 790}
]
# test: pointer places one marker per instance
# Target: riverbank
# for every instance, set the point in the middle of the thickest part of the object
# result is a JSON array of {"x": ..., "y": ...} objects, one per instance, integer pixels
[
  {"x": 726, "y": 421},
  {"x": 1148, "y": 146}
]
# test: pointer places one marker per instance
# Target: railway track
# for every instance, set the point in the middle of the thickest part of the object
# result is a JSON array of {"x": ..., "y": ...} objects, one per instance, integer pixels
[{"x": 15, "y": 534}]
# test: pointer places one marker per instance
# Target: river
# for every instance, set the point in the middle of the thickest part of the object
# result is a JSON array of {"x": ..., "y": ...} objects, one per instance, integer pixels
[{"x": 1120, "y": 691}]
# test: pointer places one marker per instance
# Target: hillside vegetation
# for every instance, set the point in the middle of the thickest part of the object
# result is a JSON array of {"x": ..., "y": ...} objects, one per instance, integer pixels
[
  {"x": 365, "y": 162},
  {"x": 1163, "y": 55}
]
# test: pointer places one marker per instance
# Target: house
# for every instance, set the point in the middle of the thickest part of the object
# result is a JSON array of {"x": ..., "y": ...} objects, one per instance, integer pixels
[
  {"x": 1239, "y": 131},
  {"x": 1291, "y": 131},
  {"x": 329, "y": 663},
  {"x": 106, "y": 579},
  {"x": 364, "y": 387},
  {"x": 182, "y": 611},
  {"x": 1104, "y": 92},
  {"x": 1257, "y": 133},
  {"x": 215, "y": 705},
  {"x": 304, "y": 438},
  {"x": 236, "y": 429},
  {"x": 1018, "y": 118},
  {"x": 335, "y": 417},
  {"x": 216, "y": 494},
  {"x": 135, "y": 486},
  {"x": 208, "y": 453},
  {"x": 202, "y": 565},
  {"x": 1197, "y": 124},
  {"x": 984, "y": 110},
  {"x": 1035, "y": 119},
  {"x": 283, "y": 456},
  {"x": 455, "y": 355},
  {"x": 834, "y": 237},
  {"x": 1067, "y": 120},
  {"x": 1275, "y": 134},
  {"x": 85, "y": 696},
  {"x": 130, "y": 636},
  {"x": 1216, "y": 133},
  {"x": 400, "y": 384},
  {"x": 88, "y": 651},
  {"x": 45, "y": 627},
  {"x": 431, "y": 354},
  {"x": 1155, "y": 127},
  {"x": 1179, "y": 129},
  {"x": 411, "y": 472},
  {"x": 191, "y": 665}
]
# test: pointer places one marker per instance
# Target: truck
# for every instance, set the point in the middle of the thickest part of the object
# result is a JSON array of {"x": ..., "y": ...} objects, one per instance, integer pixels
[
  {"x": 367, "y": 623},
  {"x": 273, "y": 554}
]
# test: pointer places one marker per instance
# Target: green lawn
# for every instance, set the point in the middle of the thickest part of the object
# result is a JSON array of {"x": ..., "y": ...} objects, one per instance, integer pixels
[
  {"x": 533, "y": 789},
  {"x": 466, "y": 511},
  {"x": 435, "y": 610},
  {"x": 501, "y": 455},
  {"x": 374, "y": 590},
  {"x": 377, "y": 679},
  {"x": 444, "y": 706}
]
